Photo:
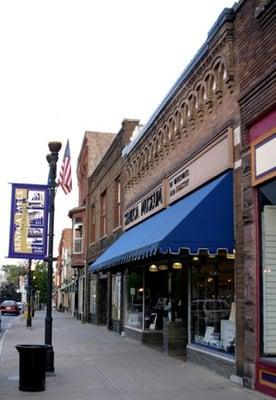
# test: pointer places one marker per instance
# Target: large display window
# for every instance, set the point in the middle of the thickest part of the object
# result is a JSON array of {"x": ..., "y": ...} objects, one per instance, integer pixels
[
  {"x": 155, "y": 295},
  {"x": 135, "y": 299},
  {"x": 267, "y": 207},
  {"x": 212, "y": 307}
]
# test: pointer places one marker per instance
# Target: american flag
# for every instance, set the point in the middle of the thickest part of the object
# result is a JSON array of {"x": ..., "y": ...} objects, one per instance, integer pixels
[{"x": 65, "y": 175}]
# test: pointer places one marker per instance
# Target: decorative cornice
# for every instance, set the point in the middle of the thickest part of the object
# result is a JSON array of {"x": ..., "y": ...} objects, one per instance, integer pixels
[
  {"x": 226, "y": 17},
  {"x": 76, "y": 210}
]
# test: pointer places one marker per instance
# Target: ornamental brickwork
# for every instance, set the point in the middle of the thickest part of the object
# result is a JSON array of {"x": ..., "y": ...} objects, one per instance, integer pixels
[{"x": 202, "y": 103}]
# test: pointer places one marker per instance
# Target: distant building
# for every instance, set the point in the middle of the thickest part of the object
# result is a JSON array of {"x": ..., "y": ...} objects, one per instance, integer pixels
[
  {"x": 93, "y": 147},
  {"x": 64, "y": 273}
]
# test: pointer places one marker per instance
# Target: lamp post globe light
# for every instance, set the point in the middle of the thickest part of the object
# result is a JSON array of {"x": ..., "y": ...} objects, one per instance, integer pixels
[{"x": 52, "y": 159}]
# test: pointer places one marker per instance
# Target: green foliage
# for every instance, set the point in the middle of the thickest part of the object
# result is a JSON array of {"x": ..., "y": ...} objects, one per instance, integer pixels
[
  {"x": 40, "y": 276},
  {"x": 12, "y": 273},
  {"x": 8, "y": 292}
]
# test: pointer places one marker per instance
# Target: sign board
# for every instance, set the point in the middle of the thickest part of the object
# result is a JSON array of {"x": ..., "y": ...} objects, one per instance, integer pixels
[
  {"x": 145, "y": 207},
  {"x": 213, "y": 160},
  {"x": 263, "y": 152},
  {"x": 29, "y": 221}
]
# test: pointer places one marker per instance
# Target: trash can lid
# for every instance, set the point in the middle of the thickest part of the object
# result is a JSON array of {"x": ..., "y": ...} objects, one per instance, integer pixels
[{"x": 32, "y": 346}]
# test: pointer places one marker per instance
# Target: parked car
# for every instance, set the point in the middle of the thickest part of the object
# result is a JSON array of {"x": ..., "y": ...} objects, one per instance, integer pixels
[{"x": 9, "y": 307}]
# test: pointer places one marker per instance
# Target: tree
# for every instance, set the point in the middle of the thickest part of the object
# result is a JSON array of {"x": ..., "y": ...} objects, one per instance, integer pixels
[
  {"x": 40, "y": 280},
  {"x": 12, "y": 272},
  {"x": 8, "y": 291}
]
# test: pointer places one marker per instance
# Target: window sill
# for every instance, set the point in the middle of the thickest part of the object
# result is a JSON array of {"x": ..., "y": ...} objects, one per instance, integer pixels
[
  {"x": 133, "y": 328},
  {"x": 117, "y": 228},
  {"x": 103, "y": 237},
  {"x": 210, "y": 352},
  {"x": 268, "y": 360}
]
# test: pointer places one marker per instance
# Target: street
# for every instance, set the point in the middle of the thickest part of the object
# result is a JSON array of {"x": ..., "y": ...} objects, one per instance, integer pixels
[{"x": 94, "y": 363}]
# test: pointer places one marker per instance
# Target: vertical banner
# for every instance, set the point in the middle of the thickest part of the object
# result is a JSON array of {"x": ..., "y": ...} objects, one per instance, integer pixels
[{"x": 29, "y": 221}]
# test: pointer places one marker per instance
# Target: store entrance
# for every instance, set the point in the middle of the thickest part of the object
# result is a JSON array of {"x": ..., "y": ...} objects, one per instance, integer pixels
[
  {"x": 157, "y": 306},
  {"x": 166, "y": 299},
  {"x": 102, "y": 302}
]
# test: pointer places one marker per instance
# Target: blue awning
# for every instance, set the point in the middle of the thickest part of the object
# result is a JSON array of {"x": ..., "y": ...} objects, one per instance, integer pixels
[{"x": 202, "y": 220}]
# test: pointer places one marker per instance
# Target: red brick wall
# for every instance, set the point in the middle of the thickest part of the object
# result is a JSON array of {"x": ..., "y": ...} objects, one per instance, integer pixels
[
  {"x": 103, "y": 179},
  {"x": 256, "y": 51}
]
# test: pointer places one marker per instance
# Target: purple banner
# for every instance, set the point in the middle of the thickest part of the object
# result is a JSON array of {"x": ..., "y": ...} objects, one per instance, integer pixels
[{"x": 29, "y": 221}]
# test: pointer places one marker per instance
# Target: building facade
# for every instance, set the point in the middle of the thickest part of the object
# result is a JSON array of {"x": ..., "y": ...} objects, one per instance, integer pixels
[
  {"x": 64, "y": 273},
  {"x": 105, "y": 203},
  {"x": 173, "y": 270},
  {"x": 256, "y": 25},
  {"x": 92, "y": 150},
  {"x": 178, "y": 218}
]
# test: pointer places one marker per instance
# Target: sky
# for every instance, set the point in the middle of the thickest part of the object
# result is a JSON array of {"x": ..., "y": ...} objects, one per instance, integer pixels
[{"x": 70, "y": 66}]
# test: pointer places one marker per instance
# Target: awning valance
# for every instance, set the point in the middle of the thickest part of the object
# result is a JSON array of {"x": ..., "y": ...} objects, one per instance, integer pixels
[{"x": 203, "y": 220}]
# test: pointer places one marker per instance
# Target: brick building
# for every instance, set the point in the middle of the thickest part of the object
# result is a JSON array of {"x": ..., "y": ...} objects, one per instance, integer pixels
[
  {"x": 173, "y": 269},
  {"x": 92, "y": 150},
  {"x": 256, "y": 45},
  {"x": 63, "y": 273},
  {"x": 194, "y": 267},
  {"x": 104, "y": 205}
]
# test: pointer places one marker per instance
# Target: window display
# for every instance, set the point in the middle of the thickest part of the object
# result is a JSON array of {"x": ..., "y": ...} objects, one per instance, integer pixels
[
  {"x": 267, "y": 206},
  {"x": 157, "y": 285},
  {"x": 134, "y": 312},
  {"x": 154, "y": 297},
  {"x": 166, "y": 302},
  {"x": 212, "y": 306}
]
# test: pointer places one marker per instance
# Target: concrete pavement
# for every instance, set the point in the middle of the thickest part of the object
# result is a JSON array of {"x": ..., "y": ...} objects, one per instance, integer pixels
[{"x": 92, "y": 363}]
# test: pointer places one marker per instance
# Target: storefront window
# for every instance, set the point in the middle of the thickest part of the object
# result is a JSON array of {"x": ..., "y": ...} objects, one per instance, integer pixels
[
  {"x": 155, "y": 297},
  {"x": 212, "y": 306},
  {"x": 135, "y": 290},
  {"x": 157, "y": 301},
  {"x": 267, "y": 203},
  {"x": 116, "y": 297}
]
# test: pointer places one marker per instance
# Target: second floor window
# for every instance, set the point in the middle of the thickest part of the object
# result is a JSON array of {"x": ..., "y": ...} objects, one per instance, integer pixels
[
  {"x": 92, "y": 224},
  {"x": 117, "y": 203},
  {"x": 103, "y": 213},
  {"x": 78, "y": 238}
]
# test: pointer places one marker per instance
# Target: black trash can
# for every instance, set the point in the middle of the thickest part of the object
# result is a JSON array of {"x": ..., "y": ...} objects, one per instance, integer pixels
[{"x": 32, "y": 366}]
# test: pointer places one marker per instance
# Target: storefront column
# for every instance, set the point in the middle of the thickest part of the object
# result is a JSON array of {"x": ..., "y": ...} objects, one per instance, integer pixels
[
  {"x": 86, "y": 300},
  {"x": 122, "y": 309},
  {"x": 108, "y": 301},
  {"x": 239, "y": 271}
]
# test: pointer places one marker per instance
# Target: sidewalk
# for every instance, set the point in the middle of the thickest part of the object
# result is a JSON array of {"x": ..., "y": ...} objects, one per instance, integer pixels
[{"x": 92, "y": 363}]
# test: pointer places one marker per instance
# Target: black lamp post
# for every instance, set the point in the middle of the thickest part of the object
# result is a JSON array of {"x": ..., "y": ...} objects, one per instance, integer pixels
[
  {"x": 52, "y": 159},
  {"x": 29, "y": 295}
]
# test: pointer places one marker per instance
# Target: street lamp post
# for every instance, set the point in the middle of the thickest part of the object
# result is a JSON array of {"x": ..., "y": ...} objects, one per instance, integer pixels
[
  {"x": 29, "y": 295},
  {"x": 52, "y": 159}
]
